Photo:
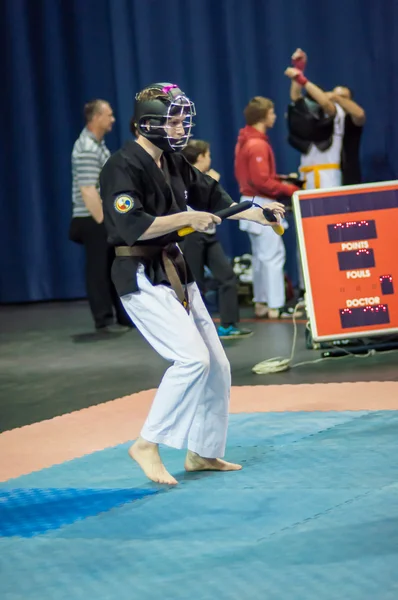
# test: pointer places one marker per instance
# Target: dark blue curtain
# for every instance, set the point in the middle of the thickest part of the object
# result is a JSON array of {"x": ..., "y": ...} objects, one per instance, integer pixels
[{"x": 57, "y": 54}]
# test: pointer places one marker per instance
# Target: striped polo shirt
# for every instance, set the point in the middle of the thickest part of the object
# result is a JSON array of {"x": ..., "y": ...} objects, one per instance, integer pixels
[{"x": 88, "y": 157}]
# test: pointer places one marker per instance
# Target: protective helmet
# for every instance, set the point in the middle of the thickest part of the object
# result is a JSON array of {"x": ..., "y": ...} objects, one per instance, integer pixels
[{"x": 153, "y": 114}]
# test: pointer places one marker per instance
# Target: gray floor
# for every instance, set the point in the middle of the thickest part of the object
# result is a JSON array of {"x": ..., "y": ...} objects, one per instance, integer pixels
[{"x": 51, "y": 363}]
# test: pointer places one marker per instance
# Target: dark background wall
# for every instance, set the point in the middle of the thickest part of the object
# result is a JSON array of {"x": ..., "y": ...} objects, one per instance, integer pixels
[{"x": 57, "y": 54}]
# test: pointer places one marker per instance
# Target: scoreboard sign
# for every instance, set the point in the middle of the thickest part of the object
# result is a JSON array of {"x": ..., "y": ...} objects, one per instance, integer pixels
[{"x": 348, "y": 240}]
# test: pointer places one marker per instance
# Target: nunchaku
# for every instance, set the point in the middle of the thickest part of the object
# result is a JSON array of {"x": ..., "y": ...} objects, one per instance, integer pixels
[{"x": 234, "y": 210}]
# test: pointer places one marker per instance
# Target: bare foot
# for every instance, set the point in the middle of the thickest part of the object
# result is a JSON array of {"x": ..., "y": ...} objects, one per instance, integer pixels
[
  {"x": 260, "y": 310},
  {"x": 146, "y": 454},
  {"x": 194, "y": 462}
]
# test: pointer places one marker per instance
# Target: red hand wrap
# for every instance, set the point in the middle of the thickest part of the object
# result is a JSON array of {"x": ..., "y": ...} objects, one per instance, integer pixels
[
  {"x": 301, "y": 79},
  {"x": 300, "y": 61}
]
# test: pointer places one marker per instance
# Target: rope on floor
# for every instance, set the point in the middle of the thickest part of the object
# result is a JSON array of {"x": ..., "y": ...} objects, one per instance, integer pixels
[{"x": 279, "y": 364}]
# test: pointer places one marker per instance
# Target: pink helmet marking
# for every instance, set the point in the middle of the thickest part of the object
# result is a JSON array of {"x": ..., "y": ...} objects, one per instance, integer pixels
[{"x": 167, "y": 88}]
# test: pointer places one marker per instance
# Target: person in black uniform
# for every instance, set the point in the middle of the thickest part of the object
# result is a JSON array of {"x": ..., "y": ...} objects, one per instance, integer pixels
[
  {"x": 145, "y": 188},
  {"x": 204, "y": 249},
  {"x": 353, "y": 128}
]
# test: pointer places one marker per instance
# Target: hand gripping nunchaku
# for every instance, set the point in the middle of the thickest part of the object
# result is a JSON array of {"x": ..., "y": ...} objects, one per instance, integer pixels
[{"x": 237, "y": 208}]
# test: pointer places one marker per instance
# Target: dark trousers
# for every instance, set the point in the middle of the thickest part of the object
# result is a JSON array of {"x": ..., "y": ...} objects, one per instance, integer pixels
[
  {"x": 101, "y": 293},
  {"x": 291, "y": 244},
  {"x": 200, "y": 250}
]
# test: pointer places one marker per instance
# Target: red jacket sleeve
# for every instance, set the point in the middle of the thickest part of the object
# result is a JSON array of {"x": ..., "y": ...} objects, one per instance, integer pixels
[{"x": 260, "y": 159}]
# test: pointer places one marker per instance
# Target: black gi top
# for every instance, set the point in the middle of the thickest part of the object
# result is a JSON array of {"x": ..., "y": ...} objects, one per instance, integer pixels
[{"x": 135, "y": 191}]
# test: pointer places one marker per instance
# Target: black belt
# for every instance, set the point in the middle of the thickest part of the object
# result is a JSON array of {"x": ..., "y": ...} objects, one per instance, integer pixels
[{"x": 171, "y": 257}]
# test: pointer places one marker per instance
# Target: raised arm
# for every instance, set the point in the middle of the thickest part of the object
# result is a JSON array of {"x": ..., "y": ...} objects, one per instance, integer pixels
[
  {"x": 356, "y": 112},
  {"x": 321, "y": 97}
]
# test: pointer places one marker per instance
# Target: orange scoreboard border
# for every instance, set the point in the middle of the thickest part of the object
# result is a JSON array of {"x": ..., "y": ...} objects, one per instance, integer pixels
[{"x": 324, "y": 193}]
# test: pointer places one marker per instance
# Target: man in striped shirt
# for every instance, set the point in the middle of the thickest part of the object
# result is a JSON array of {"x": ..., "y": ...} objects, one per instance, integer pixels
[{"x": 88, "y": 157}]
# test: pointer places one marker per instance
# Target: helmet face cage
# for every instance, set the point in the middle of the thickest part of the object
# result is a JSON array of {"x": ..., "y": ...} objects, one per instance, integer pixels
[
  {"x": 158, "y": 118},
  {"x": 182, "y": 109}
]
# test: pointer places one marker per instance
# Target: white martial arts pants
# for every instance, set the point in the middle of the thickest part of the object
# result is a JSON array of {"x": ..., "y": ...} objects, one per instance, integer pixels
[
  {"x": 191, "y": 405},
  {"x": 268, "y": 261}
]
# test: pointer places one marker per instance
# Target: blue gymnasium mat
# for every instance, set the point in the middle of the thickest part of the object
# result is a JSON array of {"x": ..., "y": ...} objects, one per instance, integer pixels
[{"x": 313, "y": 515}]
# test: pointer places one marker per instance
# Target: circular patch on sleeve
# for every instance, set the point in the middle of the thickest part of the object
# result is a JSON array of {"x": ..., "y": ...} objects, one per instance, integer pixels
[{"x": 123, "y": 203}]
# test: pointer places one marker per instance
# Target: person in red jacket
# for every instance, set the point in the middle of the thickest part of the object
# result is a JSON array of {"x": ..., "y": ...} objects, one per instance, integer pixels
[{"x": 256, "y": 175}]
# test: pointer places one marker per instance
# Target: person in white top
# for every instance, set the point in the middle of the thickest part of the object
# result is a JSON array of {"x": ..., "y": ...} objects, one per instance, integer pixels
[{"x": 319, "y": 166}]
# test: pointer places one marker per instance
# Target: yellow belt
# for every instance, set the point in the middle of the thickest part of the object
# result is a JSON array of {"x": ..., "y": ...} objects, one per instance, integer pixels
[{"x": 316, "y": 170}]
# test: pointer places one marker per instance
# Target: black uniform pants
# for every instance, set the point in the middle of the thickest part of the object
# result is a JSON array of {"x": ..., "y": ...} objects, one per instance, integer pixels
[
  {"x": 202, "y": 249},
  {"x": 101, "y": 293}
]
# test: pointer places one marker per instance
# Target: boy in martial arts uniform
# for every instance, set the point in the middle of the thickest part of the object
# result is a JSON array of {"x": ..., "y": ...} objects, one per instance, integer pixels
[
  {"x": 204, "y": 249},
  {"x": 145, "y": 188}
]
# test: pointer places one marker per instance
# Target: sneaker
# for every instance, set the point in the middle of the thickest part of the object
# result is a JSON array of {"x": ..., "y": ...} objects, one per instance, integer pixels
[
  {"x": 115, "y": 328},
  {"x": 232, "y": 332},
  {"x": 287, "y": 313}
]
